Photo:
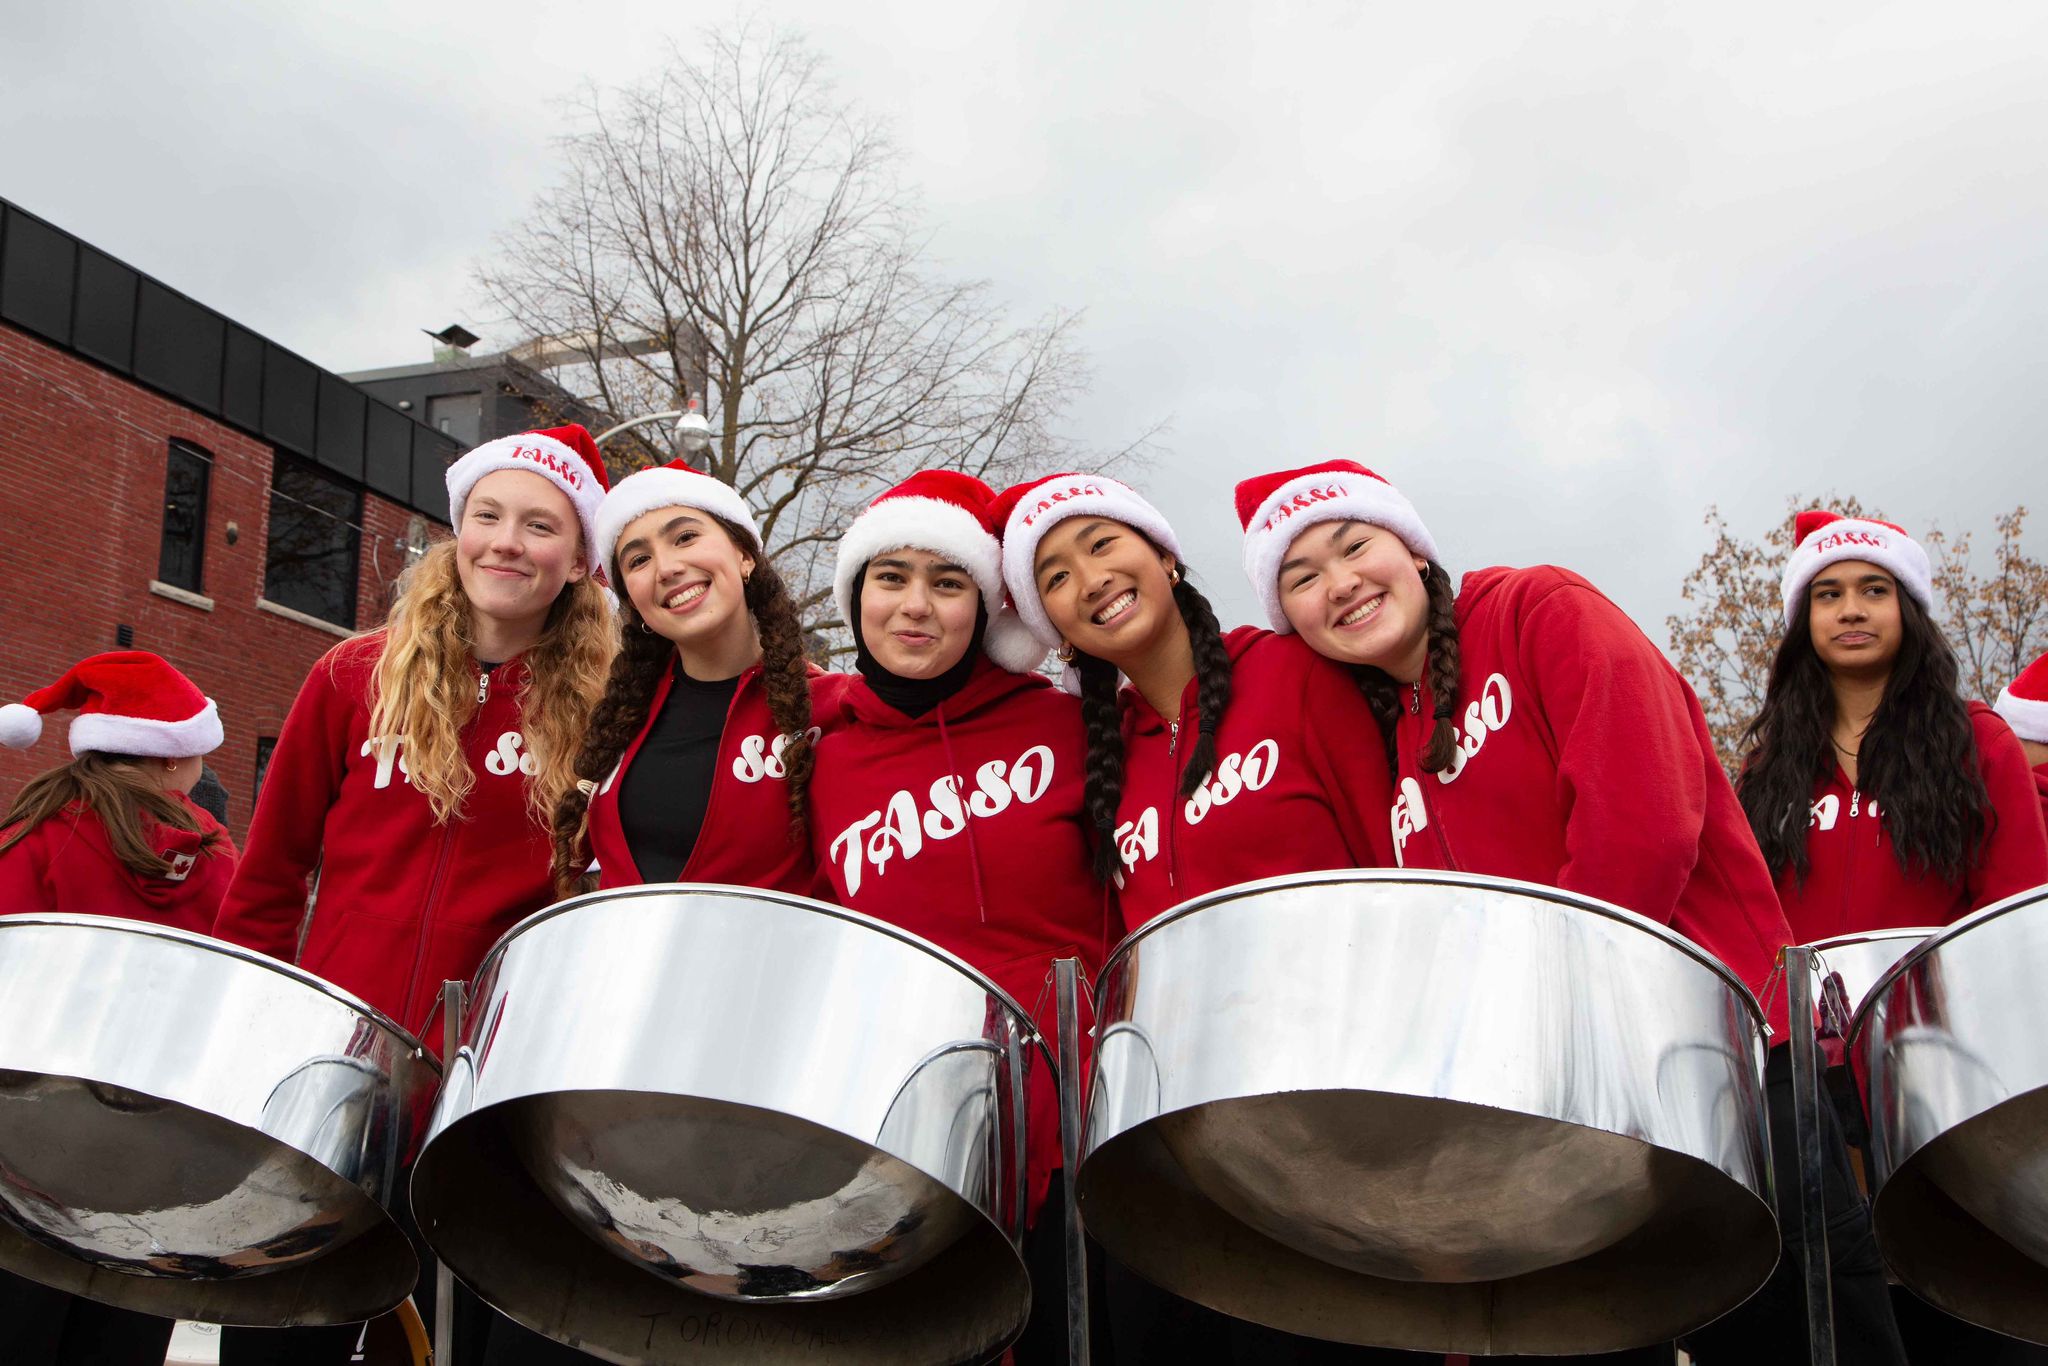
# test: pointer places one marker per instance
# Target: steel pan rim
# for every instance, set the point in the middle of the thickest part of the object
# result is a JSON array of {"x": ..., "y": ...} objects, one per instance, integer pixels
[
  {"x": 225, "y": 949},
  {"x": 1942, "y": 936},
  {"x": 793, "y": 901},
  {"x": 1837, "y": 941},
  {"x": 1436, "y": 878}
]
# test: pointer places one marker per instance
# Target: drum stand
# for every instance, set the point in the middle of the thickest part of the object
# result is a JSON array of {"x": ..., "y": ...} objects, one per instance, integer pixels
[
  {"x": 1066, "y": 976},
  {"x": 452, "y": 1006},
  {"x": 1807, "y": 1098}
]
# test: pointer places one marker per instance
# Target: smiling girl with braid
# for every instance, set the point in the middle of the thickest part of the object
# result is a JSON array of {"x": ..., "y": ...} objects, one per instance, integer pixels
[
  {"x": 1535, "y": 733},
  {"x": 1229, "y": 757}
]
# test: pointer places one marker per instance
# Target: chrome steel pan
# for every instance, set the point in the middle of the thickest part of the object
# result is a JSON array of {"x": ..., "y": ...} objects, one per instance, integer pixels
[
  {"x": 1430, "y": 1111},
  {"x": 1859, "y": 962},
  {"x": 193, "y": 1130},
  {"x": 1954, "y": 1041},
  {"x": 696, "y": 1123}
]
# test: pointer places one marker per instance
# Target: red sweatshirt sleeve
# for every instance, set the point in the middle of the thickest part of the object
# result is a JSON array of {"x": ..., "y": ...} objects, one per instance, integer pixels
[
  {"x": 266, "y": 903},
  {"x": 2016, "y": 850},
  {"x": 1631, "y": 778},
  {"x": 1347, "y": 750}
]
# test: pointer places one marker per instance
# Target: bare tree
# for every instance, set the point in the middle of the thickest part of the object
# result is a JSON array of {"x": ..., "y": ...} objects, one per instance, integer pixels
[
  {"x": 729, "y": 228},
  {"x": 1724, "y": 644}
]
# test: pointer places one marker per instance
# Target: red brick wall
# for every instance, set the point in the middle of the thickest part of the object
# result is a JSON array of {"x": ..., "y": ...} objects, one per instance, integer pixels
[{"x": 84, "y": 453}]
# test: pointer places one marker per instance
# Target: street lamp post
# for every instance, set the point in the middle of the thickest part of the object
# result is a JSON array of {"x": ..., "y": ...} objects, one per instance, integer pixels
[{"x": 692, "y": 433}]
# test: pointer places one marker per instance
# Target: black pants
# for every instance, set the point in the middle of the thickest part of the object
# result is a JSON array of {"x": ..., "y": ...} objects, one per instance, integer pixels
[
  {"x": 1771, "y": 1326},
  {"x": 56, "y": 1328}
]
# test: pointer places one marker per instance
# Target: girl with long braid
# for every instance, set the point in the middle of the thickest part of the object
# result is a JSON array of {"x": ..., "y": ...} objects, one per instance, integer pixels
[
  {"x": 698, "y": 755},
  {"x": 1245, "y": 736},
  {"x": 1228, "y": 757},
  {"x": 1533, "y": 732}
]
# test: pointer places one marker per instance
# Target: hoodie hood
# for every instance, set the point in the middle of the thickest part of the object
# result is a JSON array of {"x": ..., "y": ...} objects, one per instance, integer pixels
[{"x": 989, "y": 685}]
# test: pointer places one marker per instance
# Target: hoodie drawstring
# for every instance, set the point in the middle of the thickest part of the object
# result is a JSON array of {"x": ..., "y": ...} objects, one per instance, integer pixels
[{"x": 966, "y": 812}]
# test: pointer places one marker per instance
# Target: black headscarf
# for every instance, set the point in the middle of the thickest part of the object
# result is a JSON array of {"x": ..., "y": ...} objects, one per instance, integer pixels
[{"x": 913, "y": 696}]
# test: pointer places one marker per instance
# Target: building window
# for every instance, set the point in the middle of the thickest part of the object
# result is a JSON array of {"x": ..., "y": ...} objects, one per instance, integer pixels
[
  {"x": 458, "y": 415},
  {"x": 181, "y": 556},
  {"x": 310, "y": 564},
  {"x": 264, "y": 744}
]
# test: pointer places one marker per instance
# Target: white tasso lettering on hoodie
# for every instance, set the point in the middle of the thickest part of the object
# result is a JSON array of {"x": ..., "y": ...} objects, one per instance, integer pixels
[
  {"x": 1247, "y": 770},
  {"x": 1484, "y": 715},
  {"x": 508, "y": 756},
  {"x": 760, "y": 758},
  {"x": 902, "y": 825}
]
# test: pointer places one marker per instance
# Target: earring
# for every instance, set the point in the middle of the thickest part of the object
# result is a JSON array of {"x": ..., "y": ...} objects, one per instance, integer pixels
[
  {"x": 170, "y": 765},
  {"x": 648, "y": 629},
  {"x": 1065, "y": 653},
  {"x": 1173, "y": 576}
]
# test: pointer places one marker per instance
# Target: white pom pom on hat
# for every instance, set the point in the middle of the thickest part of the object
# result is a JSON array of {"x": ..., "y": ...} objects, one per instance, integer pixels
[{"x": 20, "y": 726}]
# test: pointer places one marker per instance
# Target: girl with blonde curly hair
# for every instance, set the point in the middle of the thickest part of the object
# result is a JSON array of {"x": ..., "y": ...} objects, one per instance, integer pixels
[{"x": 415, "y": 776}]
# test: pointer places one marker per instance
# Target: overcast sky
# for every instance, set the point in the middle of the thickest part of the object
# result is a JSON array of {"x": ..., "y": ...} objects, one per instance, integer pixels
[{"x": 1565, "y": 280}]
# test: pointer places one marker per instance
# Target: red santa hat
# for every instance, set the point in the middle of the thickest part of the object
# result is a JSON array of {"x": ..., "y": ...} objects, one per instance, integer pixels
[
  {"x": 947, "y": 513},
  {"x": 2024, "y": 702},
  {"x": 1822, "y": 538},
  {"x": 674, "y": 485},
  {"x": 1025, "y": 512},
  {"x": 564, "y": 456},
  {"x": 1275, "y": 508},
  {"x": 128, "y": 702}
]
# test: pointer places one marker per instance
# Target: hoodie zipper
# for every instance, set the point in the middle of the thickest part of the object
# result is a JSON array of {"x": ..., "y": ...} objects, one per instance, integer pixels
[{"x": 419, "y": 955}]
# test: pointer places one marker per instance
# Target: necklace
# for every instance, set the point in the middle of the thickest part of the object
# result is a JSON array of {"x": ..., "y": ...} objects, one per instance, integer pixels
[{"x": 1852, "y": 753}]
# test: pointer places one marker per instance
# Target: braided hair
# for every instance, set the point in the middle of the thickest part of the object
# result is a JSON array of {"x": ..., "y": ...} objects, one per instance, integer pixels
[
  {"x": 1102, "y": 717},
  {"x": 1383, "y": 693},
  {"x": 644, "y": 656}
]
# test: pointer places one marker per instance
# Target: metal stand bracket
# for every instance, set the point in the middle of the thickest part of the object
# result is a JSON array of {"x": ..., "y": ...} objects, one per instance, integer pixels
[
  {"x": 1066, "y": 974},
  {"x": 1807, "y": 1098},
  {"x": 452, "y": 1006}
]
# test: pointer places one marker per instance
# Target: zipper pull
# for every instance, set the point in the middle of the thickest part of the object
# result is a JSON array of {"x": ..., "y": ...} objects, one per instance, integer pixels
[
  {"x": 483, "y": 686},
  {"x": 1173, "y": 736},
  {"x": 1415, "y": 699},
  {"x": 1855, "y": 800}
]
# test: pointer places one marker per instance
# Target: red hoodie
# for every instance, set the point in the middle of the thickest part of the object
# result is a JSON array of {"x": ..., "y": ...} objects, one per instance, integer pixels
[
  {"x": 1853, "y": 880},
  {"x": 1288, "y": 794},
  {"x": 1585, "y": 764},
  {"x": 404, "y": 903},
  {"x": 745, "y": 838},
  {"x": 1000, "y": 875},
  {"x": 67, "y": 866}
]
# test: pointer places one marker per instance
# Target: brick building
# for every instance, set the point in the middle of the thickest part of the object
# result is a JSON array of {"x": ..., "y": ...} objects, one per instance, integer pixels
[{"x": 183, "y": 485}]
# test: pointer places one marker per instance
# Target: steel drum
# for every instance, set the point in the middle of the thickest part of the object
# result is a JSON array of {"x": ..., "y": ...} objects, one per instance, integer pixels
[
  {"x": 1430, "y": 1111},
  {"x": 693, "y": 1123},
  {"x": 1954, "y": 1041},
  {"x": 1847, "y": 966},
  {"x": 196, "y": 1131}
]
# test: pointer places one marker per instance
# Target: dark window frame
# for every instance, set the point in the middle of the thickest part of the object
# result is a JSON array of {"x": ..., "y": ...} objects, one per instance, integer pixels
[
  {"x": 334, "y": 598},
  {"x": 176, "y": 450}
]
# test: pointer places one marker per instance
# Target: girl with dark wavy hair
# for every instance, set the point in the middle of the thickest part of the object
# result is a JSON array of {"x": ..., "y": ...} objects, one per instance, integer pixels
[
  {"x": 1881, "y": 799},
  {"x": 1226, "y": 758},
  {"x": 1534, "y": 733},
  {"x": 696, "y": 762}
]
